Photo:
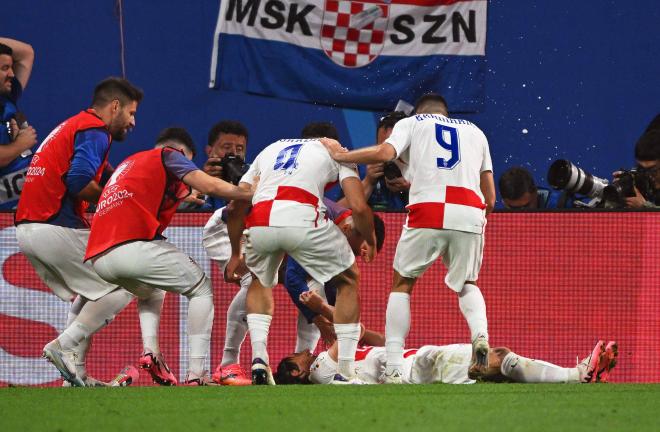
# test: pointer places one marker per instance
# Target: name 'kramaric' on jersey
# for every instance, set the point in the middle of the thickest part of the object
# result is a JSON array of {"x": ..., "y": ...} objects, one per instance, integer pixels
[{"x": 292, "y": 176}]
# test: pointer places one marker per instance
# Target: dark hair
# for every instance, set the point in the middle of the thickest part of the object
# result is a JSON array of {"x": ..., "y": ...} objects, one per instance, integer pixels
[
  {"x": 6, "y": 50},
  {"x": 116, "y": 88},
  {"x": 430, "y": 100},
  {"x": 654, "y": 125},
  {"x": 226, "y": 127},
  {"x": 514, "y": 182},
  {"x": 283, "y": 374},
  {"x": 648, "y": 146},
  {"x": 319, "y": 130},
  {"x": 179, "y": 135},
  {"x": 379, "y": 228},
  {"x": 389, "y": 120}
]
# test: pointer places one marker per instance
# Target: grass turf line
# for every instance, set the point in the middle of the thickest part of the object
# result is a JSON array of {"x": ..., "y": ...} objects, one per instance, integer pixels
[{"x": 509, "y": 407}]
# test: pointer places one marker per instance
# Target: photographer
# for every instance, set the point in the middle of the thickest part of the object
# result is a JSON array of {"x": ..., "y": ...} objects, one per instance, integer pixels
[
  {"x": 647, "y": 174},
  {"x": 384, "y": 185},
  {"x": 225, "y": 138},
  {"x": 519, "y": 192},
  {"x": 16, "y": 136}
]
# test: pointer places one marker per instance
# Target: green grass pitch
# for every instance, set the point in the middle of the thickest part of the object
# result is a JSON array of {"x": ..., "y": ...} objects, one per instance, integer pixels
[{"x": 481, "y": 407}]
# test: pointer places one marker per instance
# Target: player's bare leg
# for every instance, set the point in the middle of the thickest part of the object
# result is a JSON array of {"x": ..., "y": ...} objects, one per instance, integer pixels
[
  {"x": 397, "y": 326},
  {"x": 347, "y": 319},
  {"x": 259, "y": 315},
  {"x": 473, "y": 307}
]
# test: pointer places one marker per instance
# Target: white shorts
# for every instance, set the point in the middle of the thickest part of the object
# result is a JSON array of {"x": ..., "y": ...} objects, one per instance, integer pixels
[
  {"x": 461, "y": 253},
  {"x": 323, "y": 251},
  {"x": 144, "y": 265},
  {"x": 446, "y": 364},
  {"x": 215, "y": 239},
  {"x": 57, "y": 255}
]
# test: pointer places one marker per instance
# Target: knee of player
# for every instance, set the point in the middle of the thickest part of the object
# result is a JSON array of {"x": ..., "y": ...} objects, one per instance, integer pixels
[{"x": 203, "y": 288}]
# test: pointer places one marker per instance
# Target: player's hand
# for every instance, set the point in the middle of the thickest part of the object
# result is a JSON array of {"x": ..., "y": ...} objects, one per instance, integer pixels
[
  {"x": 212, "y": 167},
  {"x": 333, "y": 147},
  {"x": 326, "y": 328},
  {"x": 398, "y": 184},
  {"x": 312, "y": 300},
  {"x": 195, "y": 198},
  {"x": 637, "y": 201},
  {"x": 25, "y": 138},
  {"x": 368, "y": 251},
  {"x": 374, "y": 172},
  {"x": 235, "y": 269}
]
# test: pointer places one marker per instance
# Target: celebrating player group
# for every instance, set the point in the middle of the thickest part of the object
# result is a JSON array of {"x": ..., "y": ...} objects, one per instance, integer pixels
[{"x": 276, "y": 228}]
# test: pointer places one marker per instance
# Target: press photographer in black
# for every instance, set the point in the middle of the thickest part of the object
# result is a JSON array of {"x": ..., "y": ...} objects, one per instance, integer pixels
[{"x": 639, "y": 187}]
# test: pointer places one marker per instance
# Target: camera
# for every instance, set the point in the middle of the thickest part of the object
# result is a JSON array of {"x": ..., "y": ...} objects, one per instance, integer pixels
[
  {"x": 391, "y": 170},
  {"x": 565, "y": 175},
  {"x": 624, "y": 186},
  {"x": 233, "y": 168}
]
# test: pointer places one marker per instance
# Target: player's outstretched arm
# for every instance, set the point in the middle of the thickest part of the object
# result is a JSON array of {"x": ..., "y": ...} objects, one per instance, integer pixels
[
  {"x": 488, "y": 190},
  {"x": 205, "y": 184},
  {"x": 362, "y": 215},
  {"x": 379, "y": 153}
]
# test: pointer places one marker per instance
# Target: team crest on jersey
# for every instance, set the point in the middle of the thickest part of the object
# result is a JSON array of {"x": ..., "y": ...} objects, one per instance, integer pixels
[{"x": 353, "y": 32}]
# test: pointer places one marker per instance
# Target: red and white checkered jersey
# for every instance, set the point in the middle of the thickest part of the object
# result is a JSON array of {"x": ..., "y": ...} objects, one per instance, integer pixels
[
  {"x": 292, "y": 177},
  {"x": 445, "y": 158}
]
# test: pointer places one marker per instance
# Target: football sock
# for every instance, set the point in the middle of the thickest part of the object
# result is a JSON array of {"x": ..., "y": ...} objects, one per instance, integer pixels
[
  {"x": 525, "y": 370},
  {"x": 93, "y": 316},
  {"x": 236, "y": 328},
  {"x": 200, "y": 322},
  {"x": 76, "y": 307},
  {"x": 307, "y": 335},
  {"x": 83, "y": 347},
  {"x": 397, "y": 326},
  {"x": 259, "y": 324},
  {"x": 149, "y": 310},
  {"x": 473, "y": 307},
  {"x": 348, "y": 336}
]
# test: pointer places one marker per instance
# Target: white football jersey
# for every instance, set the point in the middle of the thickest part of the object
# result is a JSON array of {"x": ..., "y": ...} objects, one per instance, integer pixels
[
  {"x": 445, "y": 158},
  {"x": 429, "y": 364},
  {"x": 292, "y": 177}
]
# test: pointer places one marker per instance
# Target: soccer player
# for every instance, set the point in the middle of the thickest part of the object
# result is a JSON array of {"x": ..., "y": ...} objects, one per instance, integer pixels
[
  {"x": 311, "y": 325},
  {"x": 452, "y": 189},
  {"x": 126, "y": 245},
  {"x": 448, "y": 364},
  {"x": 51, "y": 228},
  {"x": 288, "y": 217}
]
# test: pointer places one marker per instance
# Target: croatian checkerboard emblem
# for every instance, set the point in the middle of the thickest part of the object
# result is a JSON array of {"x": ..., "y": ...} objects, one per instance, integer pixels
[{"x": 353, "y": 32}]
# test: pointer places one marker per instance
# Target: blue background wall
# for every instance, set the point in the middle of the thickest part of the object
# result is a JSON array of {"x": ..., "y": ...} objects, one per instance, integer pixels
[{"x": 582, "y": 79}]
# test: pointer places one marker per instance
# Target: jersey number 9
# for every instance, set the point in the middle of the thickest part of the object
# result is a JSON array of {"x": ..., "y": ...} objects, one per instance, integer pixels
[{"x": 442, "y": 132}]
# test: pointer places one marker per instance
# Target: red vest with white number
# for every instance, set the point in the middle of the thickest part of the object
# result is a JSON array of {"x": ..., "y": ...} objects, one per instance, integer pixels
[
  {"x": 138, "y": 202},
  {"x": 44, "y": 188}
]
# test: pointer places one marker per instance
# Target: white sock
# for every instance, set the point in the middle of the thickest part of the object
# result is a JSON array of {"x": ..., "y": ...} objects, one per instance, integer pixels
[
  {"x": 200, "y": 322},
  {"x": 525, "y": 370},
  {"x": 307, "y": 335},
  {"x": 149, "y": 310},
  {"x": 473, "y": 306},
  {"x": 236, "y": 328},
  {"x": 348, "y": 336},
  {"x": 397, "y": 326},
  {"x": 259, "y": 324},
  {"x": 93, "y": 316},
  {"x": 74, "y": 310},
  {"x": 73, "y": 335}
]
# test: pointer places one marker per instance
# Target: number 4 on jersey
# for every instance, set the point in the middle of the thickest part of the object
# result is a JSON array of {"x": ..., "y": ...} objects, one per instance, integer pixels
[
  {"x": 286, "y": 158},
  {"x": 442, "y": 132}
]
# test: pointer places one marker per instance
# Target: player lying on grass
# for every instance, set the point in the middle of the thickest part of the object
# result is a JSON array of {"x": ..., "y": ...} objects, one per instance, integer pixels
[{"x": 448, "y": 364}]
